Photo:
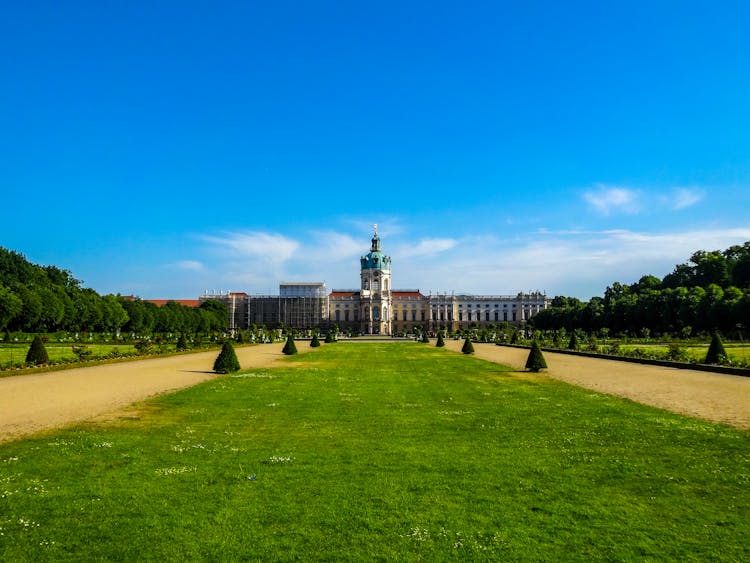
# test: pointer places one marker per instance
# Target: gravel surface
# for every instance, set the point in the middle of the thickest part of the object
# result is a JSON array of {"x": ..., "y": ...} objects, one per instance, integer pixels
[
  {"x": 710, "y": 396},
  {"x": 32, "y": 403}
]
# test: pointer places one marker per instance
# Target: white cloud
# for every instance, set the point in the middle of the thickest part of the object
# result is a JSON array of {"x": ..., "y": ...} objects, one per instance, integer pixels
[
  {"x": 193, "y": 265},
  {"x": 426, "y": 247},
  {"x": 684, "y": 197},
  {"x": 270, "y": 247},
  {"x": 612, "y": 199}
]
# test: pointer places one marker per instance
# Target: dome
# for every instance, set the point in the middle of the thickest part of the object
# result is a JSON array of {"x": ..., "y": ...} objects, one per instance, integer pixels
[{"x": 375, "y": 259}]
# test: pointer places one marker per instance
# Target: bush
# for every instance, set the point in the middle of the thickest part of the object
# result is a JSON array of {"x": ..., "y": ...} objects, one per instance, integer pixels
[
  {"x": 440, "y": 342},
  {"x": 573, "y": 343},
  {"x": 37, "y": 353},
  {"x": 468, "y": 347},
  {"x": 329, "y": 338},
  {"x": 182, "y": 343},
  {"x": 82, "y": 352},
  {"x": 716, "y": 353},
  {"x": 425, "y": 338},
  {"x": 535, "y": 361},
  {"x": 226, "y": 361},
  {"x": 314, "y": 343},
  {"x": 514, "y": 337},
  {"x": 290, "y": 347}
]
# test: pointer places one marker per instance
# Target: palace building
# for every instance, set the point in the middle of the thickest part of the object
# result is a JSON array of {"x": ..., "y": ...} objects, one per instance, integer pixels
[{"x": 375, "y": 308}]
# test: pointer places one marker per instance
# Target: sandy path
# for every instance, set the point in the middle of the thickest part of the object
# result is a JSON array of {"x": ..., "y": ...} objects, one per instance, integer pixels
[
  {"x": 31, "y": 403},
  {"x": 710, "y": 396}
]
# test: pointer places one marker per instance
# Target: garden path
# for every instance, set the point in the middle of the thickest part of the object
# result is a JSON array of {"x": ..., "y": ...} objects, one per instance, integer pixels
[
  {"x": 35, "y": 402},
  {"x": 710, "y": 396}
]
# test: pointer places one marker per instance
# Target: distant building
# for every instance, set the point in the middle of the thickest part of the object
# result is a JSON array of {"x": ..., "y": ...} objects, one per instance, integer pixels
[{"x": 376, "y": 308}]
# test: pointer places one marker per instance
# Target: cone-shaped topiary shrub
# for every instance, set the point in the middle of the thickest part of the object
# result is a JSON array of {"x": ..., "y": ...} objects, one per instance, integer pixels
[
  {"x": 314, "y": 343},
  {"x": 37, "y": 353},
  {"x": 514, "y": 337},
  {"x": 290, "y": 347},
  {"x": 468, "y": 347},
  {"x": 535, "y": 361},
  {"x": 226, "y": 361},
  {"x": 182, "y": 343},
  {"x": 573, "y": 343},
  {"x": 716, "y": 353},
  {"x": 329, "y": 338},
  {"x": 425, "y": 338},
  {"x": 440, "y": 342}
]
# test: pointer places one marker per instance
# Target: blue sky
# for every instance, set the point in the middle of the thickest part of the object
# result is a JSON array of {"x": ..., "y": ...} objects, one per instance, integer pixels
[{"x": 166, "y": 148}]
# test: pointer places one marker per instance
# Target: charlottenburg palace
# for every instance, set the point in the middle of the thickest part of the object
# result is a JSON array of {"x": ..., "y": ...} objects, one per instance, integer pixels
[{"x": 375, "y": 308}]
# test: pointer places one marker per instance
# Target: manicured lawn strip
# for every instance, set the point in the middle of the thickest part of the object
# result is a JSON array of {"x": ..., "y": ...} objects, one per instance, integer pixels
[{"x": 381, "y": 451}]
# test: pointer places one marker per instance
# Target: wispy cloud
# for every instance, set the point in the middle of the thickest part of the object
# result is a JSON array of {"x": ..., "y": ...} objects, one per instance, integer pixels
[
  {"x": 426, "y": 247},
  {"x": 271, "y": 247},
  {"x": 685, "y": 197},
  {"x": 576, "y": 262},
  {"x": 192, "y": 265},
  {"x": 612, "y": 199}
]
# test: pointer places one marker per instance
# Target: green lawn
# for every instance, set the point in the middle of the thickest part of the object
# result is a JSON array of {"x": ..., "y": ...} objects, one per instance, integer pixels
[
  {"x": 735, "y": 351},
  {"x": 16, "y": 353},
  {"x": 380, "y": 451}
]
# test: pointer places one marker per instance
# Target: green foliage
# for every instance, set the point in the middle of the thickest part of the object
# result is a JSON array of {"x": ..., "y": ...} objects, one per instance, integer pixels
[
  {"x": 182, "y": 343},
  {"x": 315, "y": 343},
  {"x": 37, "y": 353},
  {"x": 290, "y": 348},
  {"x": 226, "y": 361},
  {"x": 468, "y": 347},
  {"x": 329, "y": 338},
  {"x": 716, "y": 353},
  {"x": 82, "y": 352},
  {"x": 440, "y": 342},
  {"x": 535, "y": 361},
  {"x": 573, "y": 343},
  {"x": 425, "y": 338},
  {"x": 514, "y": 337}
]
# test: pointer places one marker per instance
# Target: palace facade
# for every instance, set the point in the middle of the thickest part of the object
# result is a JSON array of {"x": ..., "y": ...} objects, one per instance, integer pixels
[{"x": 375, "y": 308}]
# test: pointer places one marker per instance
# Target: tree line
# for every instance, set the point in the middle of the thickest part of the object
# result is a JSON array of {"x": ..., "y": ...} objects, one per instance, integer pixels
[
  {"x": 710, "y": 292},
  {"x": 46, "y": 299}
]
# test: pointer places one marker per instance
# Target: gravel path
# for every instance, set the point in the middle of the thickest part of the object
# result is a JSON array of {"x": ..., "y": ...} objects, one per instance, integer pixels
[
  {"x": 710, "y": 396},
  {"x": 32, "y": 403}
]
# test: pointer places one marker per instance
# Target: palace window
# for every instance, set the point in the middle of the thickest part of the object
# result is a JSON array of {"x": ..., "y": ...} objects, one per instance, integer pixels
[{"x": 403, "y": 314}]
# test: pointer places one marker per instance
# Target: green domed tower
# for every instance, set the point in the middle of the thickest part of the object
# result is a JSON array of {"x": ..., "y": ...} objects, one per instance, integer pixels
[{"x": 375, "y": 289}]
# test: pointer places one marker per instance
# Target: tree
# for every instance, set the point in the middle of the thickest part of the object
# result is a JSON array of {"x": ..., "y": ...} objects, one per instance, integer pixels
[
  {"x": 329, "y": 338},
  {"x": 226, "y": 361},
  {"x": 10, "y": 306},
  {"x": 425, "y": 338},
  {"x": 440, "y": 342},
  {"x": 290, "y": 347},
  {"x": 716, "y": 353},
  {"x": 37, "y": 353},
  {"x": 535, "y": 361},
  {"x": 314, "y": 343},
  {"x": 468, "y": 347}
]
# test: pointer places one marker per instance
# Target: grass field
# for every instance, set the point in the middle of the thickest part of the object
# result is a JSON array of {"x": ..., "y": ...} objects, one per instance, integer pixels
[
  {"x": 735, "y": 351},
  {"x": 16, "y": 353},
  {"x": 380, "y": 451}
]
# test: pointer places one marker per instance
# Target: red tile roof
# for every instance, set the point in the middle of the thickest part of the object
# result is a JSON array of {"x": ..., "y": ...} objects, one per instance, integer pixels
[
  {"x": 407, "y": 294},
  {"x": 185, "y": 302}
]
